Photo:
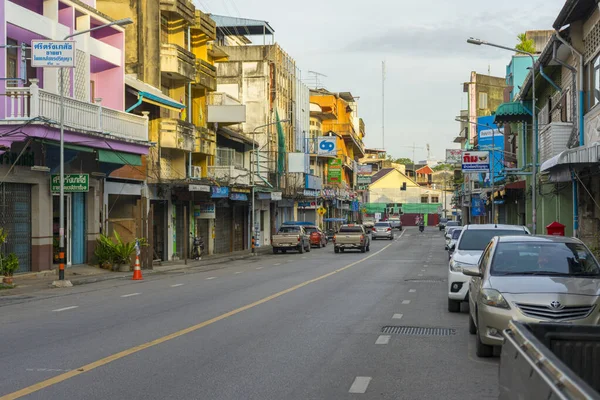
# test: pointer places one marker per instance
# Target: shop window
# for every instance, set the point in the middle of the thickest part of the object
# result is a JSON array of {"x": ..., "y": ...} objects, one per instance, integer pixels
[
  {"x": 435, "y": 199},
  {"x": 424, "y": 199}
]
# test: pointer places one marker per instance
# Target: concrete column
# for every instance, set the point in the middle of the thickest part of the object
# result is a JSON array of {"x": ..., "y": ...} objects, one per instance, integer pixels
[
  {"x": 210, "y": 242},
  {"x": 41, "y": 226}
]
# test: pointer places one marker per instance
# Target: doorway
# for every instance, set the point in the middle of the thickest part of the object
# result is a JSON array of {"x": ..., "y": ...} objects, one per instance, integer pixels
[{"x": 75, "y": 223}]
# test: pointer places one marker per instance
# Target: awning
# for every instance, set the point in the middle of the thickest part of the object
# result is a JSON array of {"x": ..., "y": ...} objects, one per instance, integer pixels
[
  {"x": 512, "y": 112},
  {"x": 69, "y": 146},
  {"x": 588, "y": 154},
  {"x": 118, "y": 157},
  {"x": 149, "y": 94},
  {"x": 235, "y": 136}
]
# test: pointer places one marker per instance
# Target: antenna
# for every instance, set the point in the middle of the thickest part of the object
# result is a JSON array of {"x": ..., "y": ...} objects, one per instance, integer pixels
[
  {"x": 428, "y": 152},
  {"x": 316, "y": 76},
  {"x": 383, "y": 104}
]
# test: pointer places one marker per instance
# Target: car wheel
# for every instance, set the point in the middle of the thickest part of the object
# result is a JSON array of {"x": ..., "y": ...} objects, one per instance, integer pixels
[
  {"x": 336, "y": 250},
  {"x": 472, "y": 327},
  {"x": 301, "y": 249},
  {"x": 482, "y": 350},
  {"x": 275, "y": 250},
  {"x": 284, "y": 251},
  {"x": 453, "y": 306},
  {"x": 342, "y": 250},
  {"x": 308, "y": 248},
  {"x": 363, "y": 249},
  {"x": 369, "y": 248}
]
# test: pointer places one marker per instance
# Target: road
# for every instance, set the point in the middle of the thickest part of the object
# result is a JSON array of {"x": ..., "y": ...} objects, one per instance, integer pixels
[{"x": 276, "y": 327}]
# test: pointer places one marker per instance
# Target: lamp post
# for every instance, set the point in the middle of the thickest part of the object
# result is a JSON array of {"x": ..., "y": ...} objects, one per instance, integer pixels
[
  {"x": 61, "y": 216},
  {"x": 252, "y": 173},
  {"x": 480, "y": 42}
]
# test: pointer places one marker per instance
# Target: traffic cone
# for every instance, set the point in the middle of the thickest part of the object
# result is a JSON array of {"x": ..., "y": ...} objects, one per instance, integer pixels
[{"x": 137, "y": 270}]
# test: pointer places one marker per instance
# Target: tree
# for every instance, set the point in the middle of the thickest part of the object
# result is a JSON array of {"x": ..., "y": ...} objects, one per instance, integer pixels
[
  {"x": 443, "y": 167},
  {"x": 402, "y": 160},
  {"x": 527, "y": 45}
]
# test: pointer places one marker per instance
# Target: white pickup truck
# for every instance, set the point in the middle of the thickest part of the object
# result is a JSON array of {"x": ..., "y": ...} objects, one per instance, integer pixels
[
  {"x": 352, "y": 237},
  {"x": 291, "y": 237}
]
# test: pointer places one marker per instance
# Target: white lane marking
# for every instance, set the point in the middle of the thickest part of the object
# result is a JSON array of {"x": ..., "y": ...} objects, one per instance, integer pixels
[
  {"x": 360, "y": 384},
  {"x": 46, "y": 370},
  {"x": 412, "y": 290},
  {"x": 259, "y": 267},
  {"x": 277, "y": 264},
  {"x": 422, "y": 270},
  {"x": 131, "y": 294},
  {"x": 304, "y": 258},
  {"x": 239, "y": 272},
  {"x": 419, "y": 274},
  {"x": 426, "y": 265},
  {"x": 65, "y": 308},
  {"x": 211, "y": 277},
  {"x": 177, "y": 285},
  {"x": 383, "y": 339},
  {"x": 405, "y": 301},
  {"x": 397, "y": 316}
]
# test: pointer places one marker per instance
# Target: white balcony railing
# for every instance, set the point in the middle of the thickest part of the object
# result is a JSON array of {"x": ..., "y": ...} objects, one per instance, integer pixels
[
  {"x": 26, "y": 103},
  {"x": 230, "y": 175}
]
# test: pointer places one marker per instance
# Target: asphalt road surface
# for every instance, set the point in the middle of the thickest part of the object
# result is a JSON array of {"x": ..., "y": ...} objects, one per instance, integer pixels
[{"x": 274, "y": 327}]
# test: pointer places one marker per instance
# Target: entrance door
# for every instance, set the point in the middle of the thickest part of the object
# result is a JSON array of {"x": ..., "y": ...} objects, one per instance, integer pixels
[
  {"x": 159, "y": 229},
  {"x": 56, "y": 230},
  {"x": 15, "y": 218},
  {"x": 77, "y": 226}
]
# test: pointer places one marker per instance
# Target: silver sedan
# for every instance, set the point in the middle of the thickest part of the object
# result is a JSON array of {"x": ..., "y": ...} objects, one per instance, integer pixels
[{"x": 383, "y": 230}]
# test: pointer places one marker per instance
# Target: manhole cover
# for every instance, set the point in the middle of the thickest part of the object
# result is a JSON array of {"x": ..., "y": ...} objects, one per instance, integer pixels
[
  {"x": 418, "y": 331},
  {"x": 426, "y": 280}
]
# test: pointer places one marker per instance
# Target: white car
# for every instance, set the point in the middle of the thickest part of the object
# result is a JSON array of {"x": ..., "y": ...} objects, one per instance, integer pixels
[
  {"x": 472, "y": 241},
  {"x": 451, "y": 241}
]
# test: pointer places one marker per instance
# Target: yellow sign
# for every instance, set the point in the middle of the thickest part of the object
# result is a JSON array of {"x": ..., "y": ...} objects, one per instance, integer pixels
[{"x": 322, "y": 211}]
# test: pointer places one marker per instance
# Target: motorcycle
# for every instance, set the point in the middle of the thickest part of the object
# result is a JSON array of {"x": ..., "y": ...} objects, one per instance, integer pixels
[
  {"x": 197, "y": 248},
  {"x": 421, "y": 228}
]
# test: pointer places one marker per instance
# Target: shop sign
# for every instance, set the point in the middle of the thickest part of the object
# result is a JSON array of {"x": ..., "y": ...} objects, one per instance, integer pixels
[
  {"x": 345, "y": 206},
  {"x": 328, "y": 146},
  {"x": 322, "y": 211},
  {"x": 366, "y": 169},
  {"x": 476, "y": 161},
  {"x": 263, "y": 196},
  {"x": 238, "y": 197},
  {"x": 242, "y": 190},
  {"x": 334, "y": 173},
  {"x": 277, "y": 196},
  {"x": 219, "y": 192},
  {"x": 53, "y": 53},
  {"x": 454, "y": 156},
  {"x": 311, "y": 193},
  {"x": 73, "y": 183},
  {"x": 199, "y": 188},
  {"x": 307, "y": 204},
  {"x": 205, "y": 210},
  {"x": 363, "y": 186},
  {"x": 363, "y": 179}
]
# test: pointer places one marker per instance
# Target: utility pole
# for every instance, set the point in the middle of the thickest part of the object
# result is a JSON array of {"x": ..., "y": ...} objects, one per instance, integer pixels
[{"x": 383, "y": 105}]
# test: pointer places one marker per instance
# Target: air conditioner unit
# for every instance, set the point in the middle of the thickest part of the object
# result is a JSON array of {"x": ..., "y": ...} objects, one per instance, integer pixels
[{"x": 196, "y": 172}]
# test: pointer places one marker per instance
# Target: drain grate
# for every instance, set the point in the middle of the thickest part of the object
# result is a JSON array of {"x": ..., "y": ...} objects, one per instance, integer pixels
[
  {"x": 418, "y": 331},
  {"x": 426, "y": 280}
]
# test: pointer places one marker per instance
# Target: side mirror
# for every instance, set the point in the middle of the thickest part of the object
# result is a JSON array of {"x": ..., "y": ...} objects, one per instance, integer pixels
[
  {"x": 472, "y": 271},
  {"x": 452, "y": 248}
]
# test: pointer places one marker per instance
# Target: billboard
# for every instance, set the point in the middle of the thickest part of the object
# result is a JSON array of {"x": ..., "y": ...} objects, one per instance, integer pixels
[
  {"x": 491, "y": 138},
  {"x": 327, "y": 146},
  {"x": 476, "y": 161},
  {"x": 334, "y": 171},
  {"x": 365, "y": 169},
  {"x": 298, "y": 162},
  {"x": 454, "y": 156}
]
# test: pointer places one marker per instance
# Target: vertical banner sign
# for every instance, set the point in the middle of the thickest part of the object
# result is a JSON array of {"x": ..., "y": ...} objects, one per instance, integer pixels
[
  {"x": 334, "y": 174},
  {"x": 53, "y": 53},
  {"x": 327, "y": 146}
]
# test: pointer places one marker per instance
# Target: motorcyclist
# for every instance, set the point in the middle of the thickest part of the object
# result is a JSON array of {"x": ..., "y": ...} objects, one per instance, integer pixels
[{"x": 421, "y": 223}]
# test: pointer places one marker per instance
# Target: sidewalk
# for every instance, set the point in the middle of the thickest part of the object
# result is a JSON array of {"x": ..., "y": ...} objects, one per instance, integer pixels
[{"x": 27, "y": 284}]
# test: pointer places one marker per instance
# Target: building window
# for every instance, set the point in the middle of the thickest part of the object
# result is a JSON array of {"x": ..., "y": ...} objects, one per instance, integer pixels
[
  {"x": 483, "y": 101},
  {"x": 594, "y": 82},
  {"x": 435, "y": 199},
  {"x": 164, "y": 30},
  {"x": 11, "y": 62},
  {"x": 424, "y": 199}
]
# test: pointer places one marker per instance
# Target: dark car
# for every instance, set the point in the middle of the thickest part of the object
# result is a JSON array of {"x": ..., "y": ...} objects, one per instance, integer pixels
[{"x": 442, "y": 223}]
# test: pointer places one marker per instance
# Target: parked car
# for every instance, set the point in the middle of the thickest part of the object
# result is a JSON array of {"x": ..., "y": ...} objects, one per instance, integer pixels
[
  {"x": 330, "y": 234},
  {"x": 290, "y": 237},
  {"x": 316, "y": 236},
  {"x": 531, "y": 279},
  {"x": 466, "y": 253},
  {"x": 442, "y": 223},
  {"x": 448, "y": 236},
  {"x": 449, "y": 224},
  {"x": 451, "y": 243},
  {"x": 383, "y": 230},
  {"x": 351, "y": 237},
  {"x": 567, "y": 352},
  {"x": 396, "y": 223}
]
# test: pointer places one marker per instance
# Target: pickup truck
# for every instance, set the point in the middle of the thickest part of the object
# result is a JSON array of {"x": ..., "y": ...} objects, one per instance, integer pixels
[
  {"x": 290, "y": 237},
  {"x": 550, "y": 361},
  {"x": 351, "y": 237}
]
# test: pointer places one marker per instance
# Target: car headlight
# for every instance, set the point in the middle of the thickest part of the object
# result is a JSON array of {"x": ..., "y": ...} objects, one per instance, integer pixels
[
  {"x": 457, "y": 267},
  {"x": 493, "y": 298}
]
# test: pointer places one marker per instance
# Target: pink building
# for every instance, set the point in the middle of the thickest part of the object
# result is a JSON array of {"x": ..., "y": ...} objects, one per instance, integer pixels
[{"x": 99, "y": 136}]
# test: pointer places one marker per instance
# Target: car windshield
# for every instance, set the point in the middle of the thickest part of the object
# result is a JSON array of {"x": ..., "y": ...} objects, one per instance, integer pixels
[
  {"x": 450, "y": 230},
  {"x": 310, "y": 229},
  {"x": 350, "y": 229},
  {"x": 478, "y": 239},
  {"x": 382, "y": 224},
  {"x": 289, "y": 229},
  {"x": 442, "y": 220},
  {"x": 537, "y": 258},
  {"x": 456, "y": 233},
  {"x": 452, "y": 223}
]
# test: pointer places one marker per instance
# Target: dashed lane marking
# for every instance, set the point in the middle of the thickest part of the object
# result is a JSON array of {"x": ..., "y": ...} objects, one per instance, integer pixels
[
  {"x": 412, "y": 290},
  {"x": 360, "y": 384},
  {"x": 211, "y": 277},
  {"x": 397, "y": 316},
  {"x": 65, "y": 308},
  {"x": 383, "y": 339},
  {"x": 405, "y": 301},
  {"x": 177, "y": 285},
  {"x": 131, "y": 295}
]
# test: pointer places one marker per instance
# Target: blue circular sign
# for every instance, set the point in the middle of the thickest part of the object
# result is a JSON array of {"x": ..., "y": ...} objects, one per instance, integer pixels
[{"x": 327, "y": 145}]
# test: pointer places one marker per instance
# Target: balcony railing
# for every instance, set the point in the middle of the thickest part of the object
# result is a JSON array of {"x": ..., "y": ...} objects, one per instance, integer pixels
[
  {"x": 225, "y": 109},
  {"x": 26, "y": 103},
  {"x": 178, "y": 62},
  {"x": 230, "y": 175},
  {"x": 183, "y": 8},
  {"x": 175, "y": 134},
  {"x": 205, "y": 141},
  {"x": 205, "y": 25},
  {"x": 554, "y": 138},
  {"x": 206, "y": 75}
]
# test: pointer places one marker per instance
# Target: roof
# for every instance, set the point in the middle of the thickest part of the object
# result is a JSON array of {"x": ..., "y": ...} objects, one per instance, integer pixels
[
  {"x": 241, "y": 26},
  {"x": 572, "y": 11},
  {"x": 152, "y": 95},
  {"x": 539, "y": 238},
  {"x": 494, "y": 226},
  {"x": 235, "y": 136},
  {"x": 511, "y": 112},
  {"x": 424, "y": 170},
  {"x": 587, "y": 154},
  {"x": 380, "y": 174}
]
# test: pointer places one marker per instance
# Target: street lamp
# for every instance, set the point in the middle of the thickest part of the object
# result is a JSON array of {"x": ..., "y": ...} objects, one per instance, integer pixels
[
  {"x": 480, "y": 42},
  {"x": 252, "y": 173},
  {"x": 61, "y": 217}
]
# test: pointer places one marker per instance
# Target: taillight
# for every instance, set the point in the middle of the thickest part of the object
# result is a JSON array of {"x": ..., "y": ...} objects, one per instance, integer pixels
[
  {"x": 298, "y": 238},
  {"x": 374, "y": 229},
  {"x": 389, "y": 229},
  {"x": 334, "y": 237},
  {"x": 362, "y": 238}
]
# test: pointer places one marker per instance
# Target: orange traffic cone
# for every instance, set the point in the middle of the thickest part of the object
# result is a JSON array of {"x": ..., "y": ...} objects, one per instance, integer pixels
[{"x": 137, "y": 270}]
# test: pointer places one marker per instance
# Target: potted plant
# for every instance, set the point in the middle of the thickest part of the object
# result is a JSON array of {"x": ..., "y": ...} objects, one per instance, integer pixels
[
  {"x": 104, "y": 252},
  {"x": 122, "y": 252},
  {"x": 9, "y": 265}
]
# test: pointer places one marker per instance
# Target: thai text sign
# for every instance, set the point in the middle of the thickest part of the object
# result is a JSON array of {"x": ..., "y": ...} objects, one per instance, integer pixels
[
  {"x": 205, "y": 210},
  {"x": 72, "y": 182},
  {"x": 334, "y": 175},
  {"x": 454, "y": 156},
  {"x": 53, "y": 53},
  {"x": 476, "y": 161}
]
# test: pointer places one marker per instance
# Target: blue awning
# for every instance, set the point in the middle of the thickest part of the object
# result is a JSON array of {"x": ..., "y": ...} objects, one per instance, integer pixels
[{"x": 149, "y": 94}]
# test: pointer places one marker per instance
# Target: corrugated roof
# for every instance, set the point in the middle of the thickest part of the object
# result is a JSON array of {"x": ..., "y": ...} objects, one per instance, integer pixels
[
  {"x": 380, "y": 174},
  {"x": 511, "y": 112},
  {"x": 242, "y": 26},
  {"x": 572, "y": 11}
]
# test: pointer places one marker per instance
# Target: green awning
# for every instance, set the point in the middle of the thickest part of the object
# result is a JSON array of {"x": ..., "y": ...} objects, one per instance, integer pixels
[
  {"x": 118, "y": 157},
  {"x": 372, "y": 208},
  {"x": 68, "y": 146},
  {"x": 512, "y": 112},
  {"x": 420, "y": 208}
]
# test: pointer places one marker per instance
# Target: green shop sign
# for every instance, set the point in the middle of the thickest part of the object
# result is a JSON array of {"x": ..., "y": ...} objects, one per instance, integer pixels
[
  {"x": 334, "y": 173},
  {"x": 73, "y": 183}
]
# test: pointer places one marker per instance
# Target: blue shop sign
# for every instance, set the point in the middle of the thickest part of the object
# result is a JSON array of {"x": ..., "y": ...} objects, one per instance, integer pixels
[
  {"x": 220, "y": 192},
  {"x": 238, "y": 196}
]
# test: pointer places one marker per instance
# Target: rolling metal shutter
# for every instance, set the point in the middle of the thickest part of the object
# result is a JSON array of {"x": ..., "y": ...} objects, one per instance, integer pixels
[
  {"x": 223, "y": 224},
  {"x": 15, "y": 218}
]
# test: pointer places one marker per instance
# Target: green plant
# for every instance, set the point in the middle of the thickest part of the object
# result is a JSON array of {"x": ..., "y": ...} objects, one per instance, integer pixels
[
  {"x": 10, "y": 264},
  {"x": 122, "y": 251},
  {"x": 104, "y": 250},
  {"x": 527, "y": 45}
]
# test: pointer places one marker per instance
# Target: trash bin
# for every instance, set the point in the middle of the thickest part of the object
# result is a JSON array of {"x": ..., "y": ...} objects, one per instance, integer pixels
[{"x": 556, "y": 229}]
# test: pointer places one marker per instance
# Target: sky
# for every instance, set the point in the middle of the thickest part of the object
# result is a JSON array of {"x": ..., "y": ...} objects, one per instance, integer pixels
[{"x": 423, "y": 44}]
